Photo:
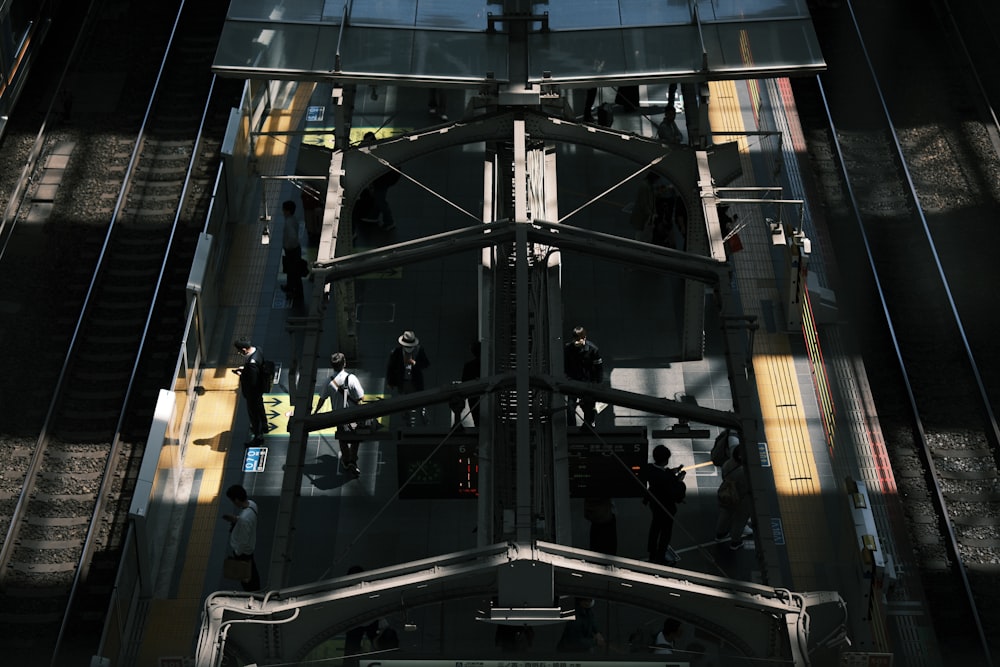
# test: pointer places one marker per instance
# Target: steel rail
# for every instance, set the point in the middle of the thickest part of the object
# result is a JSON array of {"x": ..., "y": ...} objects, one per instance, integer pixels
[
  {"x": 107, "y": 478},
  {"x": 17, "y": 197},
  {"x": 989, "y": 110},
  {"x": 9, "y": 544},
  {"x": 111, "y": 462},
  {"x": 946, "y": 527}
]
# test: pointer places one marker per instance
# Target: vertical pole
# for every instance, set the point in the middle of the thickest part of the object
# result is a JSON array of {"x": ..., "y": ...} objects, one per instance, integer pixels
[{"x": 523, "y": 518}]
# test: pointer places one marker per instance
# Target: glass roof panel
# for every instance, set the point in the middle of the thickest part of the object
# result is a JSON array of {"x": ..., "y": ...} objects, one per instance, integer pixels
[
  {"x": 401, "y": 13},
  {"x": 271, "y": 46},
  {"x": 454, "y": 14},
  {"x": 642, "y": 12},
  {"x": 446, "y": 40},
  {"x": 762, "y": 46},
  {"x": 446, "y": 14},
  {"x": 563, "y": 14},
  {"x": 585, "y": 14},
  {"x": 592, "y": 54},
  {"x": 596, "y": 14},
  {"x": 310, "y": 50},
  {"x": 277, "y": 10},
  {"x": 746, "y": 10},
  {"x": 412, "y": 53}
]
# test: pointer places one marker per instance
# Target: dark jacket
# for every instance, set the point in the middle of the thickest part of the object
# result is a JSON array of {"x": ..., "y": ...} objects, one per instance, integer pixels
[
  {"x": 583, "y": 363},
  {"x": 251, "y": 380},
  {"x": 663, "y": 485},
  {"x": 737, "y": 472},
  {"x": 395, "y": 371}
]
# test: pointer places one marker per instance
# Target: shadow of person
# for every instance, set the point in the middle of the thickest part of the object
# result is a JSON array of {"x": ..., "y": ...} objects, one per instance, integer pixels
[
  {"x": 324, "y": 473},
  {"x": 215, "y": 442}
]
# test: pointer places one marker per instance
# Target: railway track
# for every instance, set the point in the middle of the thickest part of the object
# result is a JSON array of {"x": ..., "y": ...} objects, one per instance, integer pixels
[
  {"x": 908, "y": 175},
  {"x": 102, "y": 259}
]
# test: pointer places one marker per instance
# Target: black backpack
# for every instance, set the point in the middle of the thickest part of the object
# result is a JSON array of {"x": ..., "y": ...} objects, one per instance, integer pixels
[
  {"x": 605, "y": 115},
  {"x": 722, "y": 450},
  {"x": 267, "y": 369}
]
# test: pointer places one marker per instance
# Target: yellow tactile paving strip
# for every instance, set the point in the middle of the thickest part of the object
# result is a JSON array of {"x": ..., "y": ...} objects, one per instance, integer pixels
[
  {"x": 274, "y": 149},
  {"x": 785, "y": 429},
  {"x": 171, "y": 626}
]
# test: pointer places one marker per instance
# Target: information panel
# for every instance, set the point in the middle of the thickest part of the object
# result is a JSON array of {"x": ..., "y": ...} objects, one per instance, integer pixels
[
  {"x": 451, "y": 472},
  {"x": 255, "y": 459},
  {"x": 607, "y": 465}
]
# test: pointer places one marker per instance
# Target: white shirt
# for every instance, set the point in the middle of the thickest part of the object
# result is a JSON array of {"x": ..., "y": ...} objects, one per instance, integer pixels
[
  {"x": 243, "y": 536},
  {"x": 343, "y": 389},
  {"x": 290, "y": 234},
  {"x": 663, "y": 645}
]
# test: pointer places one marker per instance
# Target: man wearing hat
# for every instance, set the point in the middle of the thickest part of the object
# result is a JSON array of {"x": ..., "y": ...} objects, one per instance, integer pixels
[{"x": 405, "y": 371}]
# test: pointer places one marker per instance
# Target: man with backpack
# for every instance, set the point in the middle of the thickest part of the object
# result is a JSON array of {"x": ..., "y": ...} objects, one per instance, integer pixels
[
  {"x": 344, "y": 390},
  {"x": 665, "y": 488},
  {"x": 253, "y": 383}
]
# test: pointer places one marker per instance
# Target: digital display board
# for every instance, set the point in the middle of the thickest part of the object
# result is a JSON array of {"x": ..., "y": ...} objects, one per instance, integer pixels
[
  {"x": 607, "y": 465},
  {"x": 452, "y": 472}
]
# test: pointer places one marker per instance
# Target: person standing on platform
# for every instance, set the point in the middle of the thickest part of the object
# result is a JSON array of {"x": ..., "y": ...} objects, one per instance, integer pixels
[
  {"x": 243, "y": 532},
  {"x": 252, "y": 387},
  {"x": 627, "y": 97},
  {"x": 436, "y": 104},
  {"x": 343, "y": 390},
  {"x": 582, "y": 362},
  {"x": 291, "y": 260},
  {"x": 733, "y": 519},
  {"x": 404, "y": 372},
  {"x": 668, "y": 132},
  {"x": 665, "y": 488}
]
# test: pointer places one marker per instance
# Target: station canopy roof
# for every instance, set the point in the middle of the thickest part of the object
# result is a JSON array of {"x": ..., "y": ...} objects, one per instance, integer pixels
[{"x": 574, "y": 43}]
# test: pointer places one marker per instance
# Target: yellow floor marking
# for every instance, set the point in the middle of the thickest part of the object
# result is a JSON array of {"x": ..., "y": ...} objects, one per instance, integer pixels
[
  {"x": 724, "y": 113},
  {"x": 358, "y": 133},
  {"x": 784, "y": 429},
  {"x": 283, "y": 120},
  {"x": 173, "y": 624},
  {"x": 207, "y": 446},
  {"x": 168, "y": 629}
]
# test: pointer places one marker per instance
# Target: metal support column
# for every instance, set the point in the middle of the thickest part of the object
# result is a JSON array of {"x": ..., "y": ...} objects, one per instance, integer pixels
[{"x": 523, "y": 519}]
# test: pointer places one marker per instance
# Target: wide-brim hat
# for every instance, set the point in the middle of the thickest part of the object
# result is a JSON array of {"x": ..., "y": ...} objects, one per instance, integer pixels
[{"x": 409, "y": 339}]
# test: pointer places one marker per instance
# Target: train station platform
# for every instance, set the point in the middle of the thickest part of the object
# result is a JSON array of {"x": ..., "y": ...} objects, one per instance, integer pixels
[{"x": 383, "y": 518}]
